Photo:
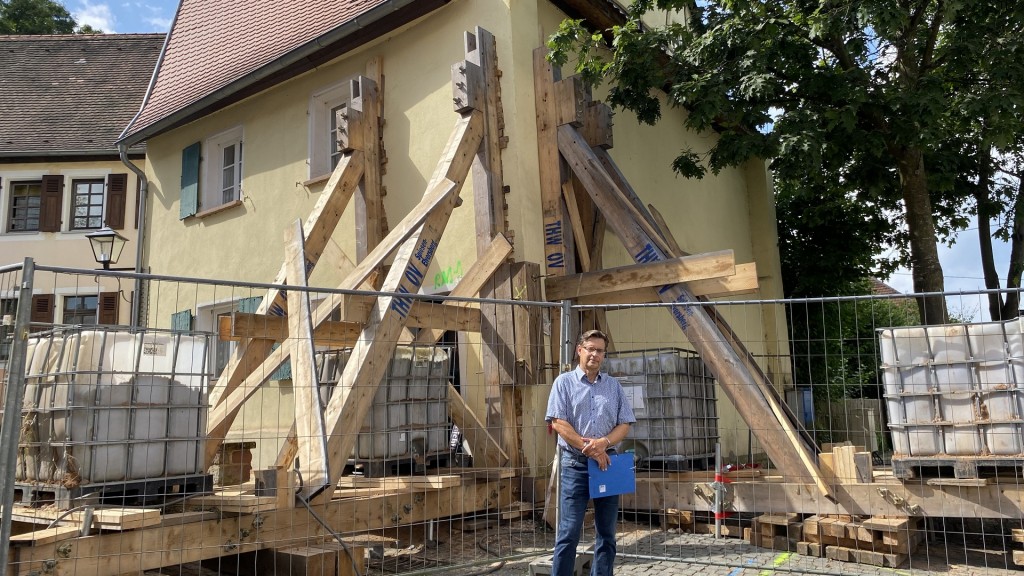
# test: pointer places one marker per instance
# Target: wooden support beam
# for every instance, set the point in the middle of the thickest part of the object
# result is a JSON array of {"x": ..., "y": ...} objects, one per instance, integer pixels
[
  {"x": 470, "y": 283},
  {"x": 485, "y": 448},
  {"x": 558, "y": 246},
  {"x": 573, "y": 98},
  {"x": 311, "y": 448},
  {"x": 744, "y": 281},
  {"x": 573, "y": 211},
  {"x": 529, "y": 335},
  {"x": 354, "y": 393},
  {"x": 252, "y": 355},
  {"x": 597, "y": 125},
  {"x": 860, "y": 499},
  {"x": 658, "y": 273},
  {"x": 774, "y": 430},
  {"x": 222, "y": 416},
  {"x": 488, "y": 177},
  {"x": 369, "y": 202},
  {"x": 139, "y": 550}
]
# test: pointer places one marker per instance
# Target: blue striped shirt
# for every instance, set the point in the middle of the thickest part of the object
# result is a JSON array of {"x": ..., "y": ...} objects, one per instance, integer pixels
[{"x": 593, "y": 409}]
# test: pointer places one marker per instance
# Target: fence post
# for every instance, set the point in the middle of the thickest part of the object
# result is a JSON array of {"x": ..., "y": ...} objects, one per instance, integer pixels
[
  {"x": 567, "y": 338},
  {"x": 14, "y": 396}
]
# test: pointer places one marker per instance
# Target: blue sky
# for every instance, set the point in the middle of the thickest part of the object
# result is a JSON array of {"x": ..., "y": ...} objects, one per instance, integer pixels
[{"x": 124, "y": 16}]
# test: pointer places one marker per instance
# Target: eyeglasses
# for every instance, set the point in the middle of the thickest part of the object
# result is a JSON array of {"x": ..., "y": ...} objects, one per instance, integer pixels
[{"x": 595, "y": 351}]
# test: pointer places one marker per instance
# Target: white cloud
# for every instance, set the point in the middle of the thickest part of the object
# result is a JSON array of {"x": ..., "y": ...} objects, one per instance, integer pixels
[
  {"x": 98, "y": 15},
  {"x": 159, "y": 24}
]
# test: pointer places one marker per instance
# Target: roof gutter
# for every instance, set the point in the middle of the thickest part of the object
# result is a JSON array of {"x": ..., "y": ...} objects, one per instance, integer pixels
[{"x": 299, "y": 54}]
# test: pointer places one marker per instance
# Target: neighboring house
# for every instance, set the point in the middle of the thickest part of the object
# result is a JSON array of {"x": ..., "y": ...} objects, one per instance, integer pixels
[
  {"x": 63, "y": 102},
  {"x": 237, "y": 125}
]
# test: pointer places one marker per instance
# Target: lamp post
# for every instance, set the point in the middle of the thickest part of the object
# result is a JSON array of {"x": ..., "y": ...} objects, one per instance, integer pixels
[{"x": 106, "y": 246}]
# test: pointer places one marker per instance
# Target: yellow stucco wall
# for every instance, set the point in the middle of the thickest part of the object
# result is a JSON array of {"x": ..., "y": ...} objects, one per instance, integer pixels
[
  {"x": 246, "y": 242},
  {"x": 68, "y": 248}
]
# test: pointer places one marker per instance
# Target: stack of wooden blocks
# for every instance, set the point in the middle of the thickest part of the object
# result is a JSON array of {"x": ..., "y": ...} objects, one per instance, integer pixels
[
  {"x": 1018, "y": 537},
  {"x": 878, "y": 541},
  {"x": 846, "y": 464},
  {"x": 775, "y": 531}
]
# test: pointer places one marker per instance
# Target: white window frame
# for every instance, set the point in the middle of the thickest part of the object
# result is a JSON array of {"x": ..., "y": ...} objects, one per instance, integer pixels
[
  {"x": 211, "y": 190},
  {"x": 321, "y": 105}
]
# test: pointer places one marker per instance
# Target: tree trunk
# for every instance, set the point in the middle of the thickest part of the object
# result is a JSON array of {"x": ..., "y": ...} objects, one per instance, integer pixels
[
  {"x": 985, "y": 214},
  {"x": 1011, "y": 308},
  {"x": 924, "y": 253}
]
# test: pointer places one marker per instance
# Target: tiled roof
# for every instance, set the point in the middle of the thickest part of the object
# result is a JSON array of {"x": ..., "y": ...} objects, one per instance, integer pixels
[
  {"x": 215, "y": 44},
  {"x": 71, "y": 94},
  {"x": 881, "y": 288}
]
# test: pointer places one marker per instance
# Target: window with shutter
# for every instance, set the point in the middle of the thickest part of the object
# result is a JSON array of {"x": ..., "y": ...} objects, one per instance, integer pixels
[
  {"x": 79, "y": 310},
  {"x": 329, "y": 107},
  {"x": 223, "y": 170},
  {"x": 108, "y": 307},
  {"x": 25, "y": 198},
  {"x": 190, "y": 158},
  {"x": 117, "y": 196},
  {"x": 87, "y": 204},
  {"x": 182, "y": 321},
  {"x": 42, "y": 309},
  {"x": 51, "y": 203}
]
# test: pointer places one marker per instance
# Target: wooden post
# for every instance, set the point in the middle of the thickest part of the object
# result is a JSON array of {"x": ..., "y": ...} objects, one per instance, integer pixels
[
  {"x": 488, "y": 178},
  {"x": 311, "y": 447},
  {"x": 784, "y": 447},
  {"x": 369, "y": 202}
]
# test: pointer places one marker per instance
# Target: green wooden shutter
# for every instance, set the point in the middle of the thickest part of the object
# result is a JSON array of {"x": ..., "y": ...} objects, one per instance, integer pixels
[
  {"x": 284, "y": 372},
  {"x": 182, "y": 321},
  {"x": 117, "y": 197},
  {"x": 249, "y": 305},
  {"x": 189, "y": 181},
  {"x": 50, "y": 203}
]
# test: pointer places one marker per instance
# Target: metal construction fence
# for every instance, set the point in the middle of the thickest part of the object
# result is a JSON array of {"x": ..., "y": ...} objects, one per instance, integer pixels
[{"x": 377, "y": 433}]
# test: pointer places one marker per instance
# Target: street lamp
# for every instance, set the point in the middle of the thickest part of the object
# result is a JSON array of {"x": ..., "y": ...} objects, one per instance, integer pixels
[{"x": 106, "y": 246}]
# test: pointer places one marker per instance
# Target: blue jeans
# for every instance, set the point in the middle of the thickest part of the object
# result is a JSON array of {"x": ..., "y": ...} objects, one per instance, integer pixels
[{"x": 574, "y": 493}]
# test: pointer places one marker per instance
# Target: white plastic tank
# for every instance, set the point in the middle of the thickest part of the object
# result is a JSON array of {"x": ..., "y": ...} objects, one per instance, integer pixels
[{"x": 112, "y": 405}]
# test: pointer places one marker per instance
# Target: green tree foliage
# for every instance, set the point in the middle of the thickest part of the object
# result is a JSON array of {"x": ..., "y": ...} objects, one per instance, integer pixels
[
  {"x": 35, "y": 17},
  {"x": 854, "y": 101}
]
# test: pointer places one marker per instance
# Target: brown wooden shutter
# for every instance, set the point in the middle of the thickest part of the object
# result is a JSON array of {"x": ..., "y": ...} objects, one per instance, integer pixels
[
  {"x": 42, "y": 309},
  {"x": 50, "y": 203},
  {"x": 117, "y": 195},
  {"x": 108, "y": 307}
]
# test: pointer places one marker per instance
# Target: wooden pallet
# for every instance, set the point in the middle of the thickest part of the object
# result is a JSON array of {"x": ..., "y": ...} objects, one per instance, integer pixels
[
  {"x": 141, "y": 492},
  {"x": 961, "y": 467}
]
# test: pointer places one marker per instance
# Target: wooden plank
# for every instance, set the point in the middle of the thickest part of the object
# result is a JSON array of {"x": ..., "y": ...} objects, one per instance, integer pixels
[
  {"x": 488, "y": 177},
  {"x": 354, "y": 393},
  {"x": 484, "y": 446},
  {"x": 299, "y": 561},
  {"x": 1017, "y": 534},
  {"x": 421, "y": 482},
  {"x": 46, "y": 536},
  {"x": 479, "y": 272},
  {"x": 1018, "y": 557},
  {"x": 779, "y": 439},
  {"x": 529, "y": 337},
  {"x": 369, "y": 201},
  {"x": 573, "y": 211},
  {"x": 649, "y": 275},
  {"x": 497, "y": 335},
  {"x": 572, "y": 97},
  {"x": 311, "y": 448},
  {"x": 103, "y": 518},
  {"x": 744, "y": 281}
]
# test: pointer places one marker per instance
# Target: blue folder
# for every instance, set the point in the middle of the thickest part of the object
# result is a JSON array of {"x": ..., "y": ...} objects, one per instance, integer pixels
[{"x": 619, "y": 478}]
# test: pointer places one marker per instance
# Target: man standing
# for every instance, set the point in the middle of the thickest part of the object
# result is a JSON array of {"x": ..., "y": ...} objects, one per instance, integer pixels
[{"x": 591, "y": 414}]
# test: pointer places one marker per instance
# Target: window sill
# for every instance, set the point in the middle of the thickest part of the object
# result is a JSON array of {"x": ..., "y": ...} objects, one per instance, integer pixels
[
  {"x": 318, "y": 180},
  {"x": 217, "y": 209}
]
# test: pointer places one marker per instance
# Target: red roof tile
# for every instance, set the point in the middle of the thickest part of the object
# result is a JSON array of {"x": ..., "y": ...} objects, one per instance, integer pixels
[{"x": 214, "y": 43}]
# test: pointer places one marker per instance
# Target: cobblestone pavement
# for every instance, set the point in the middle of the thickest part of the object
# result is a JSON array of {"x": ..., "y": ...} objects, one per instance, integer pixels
[{"x": 648, "y": 551}]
